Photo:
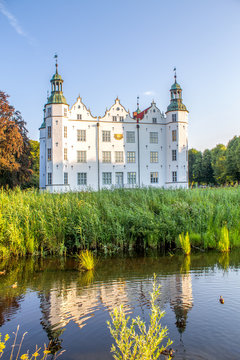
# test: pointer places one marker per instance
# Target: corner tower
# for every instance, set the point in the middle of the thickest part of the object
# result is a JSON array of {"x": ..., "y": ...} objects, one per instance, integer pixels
[
  {"x": 176, "y": 139},
  {"x": 53, "y": 137}
]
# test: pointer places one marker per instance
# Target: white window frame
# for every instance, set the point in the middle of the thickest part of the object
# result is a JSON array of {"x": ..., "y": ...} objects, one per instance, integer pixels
[
  {"x": 82, "y": 178},
  {"x": 174, "y": 176},
  {"x": 65, "y": 178},
  {"x": 153, "y": 156},
  {"x": 106, "y": 136},
  {"x": 49, "y": 129},
  {"x": 81, "y": 156},
  {"x": 131, "y": 178},
  {"x": 49, "y": 154},
  {"x": 174, "y": 135},
  {"x": 174, "y": 155},
  {"x": 65, "y": 132},
  {"x": 81, "y": 135},
  {"x": 174, "y": 117},
  {"x": 119, "y": 157},
  {"x": 130, "y": 137},
  {"x": 65, "y": 154},
  {"x": 107, "y": 178},
  {"x": 154, "y": 177},
  {"x": 106, "y": 156},
  {"x": 131, "y": 156},
  {"x": 153, "y": 137},
  {"x": 49, "y": 178}
]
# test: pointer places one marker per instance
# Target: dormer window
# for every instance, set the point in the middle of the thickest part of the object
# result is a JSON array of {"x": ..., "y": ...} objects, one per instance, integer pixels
[
  {"x": 118, "y": 109},
  {"x": 79, "y": 107},
  {"x": 114, "y": 118},
  {"x": 121, "y": 118},
  {"x": 154, "y": 120},
  {"x": 79, "y": 117}
]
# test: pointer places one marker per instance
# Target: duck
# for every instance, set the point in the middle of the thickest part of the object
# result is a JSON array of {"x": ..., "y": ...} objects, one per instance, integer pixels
[
  {"x": 168, "y": 352},
  {"x": 221, "y": 300},
  {"x": 3, "y": 272},
  {"x": 14, "y": 286}
]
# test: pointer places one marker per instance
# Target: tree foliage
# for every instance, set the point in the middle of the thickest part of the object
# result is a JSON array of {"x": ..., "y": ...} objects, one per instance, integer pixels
[
  {"x": 218, "y": 166},
  {"x": 15, "y": 157}
]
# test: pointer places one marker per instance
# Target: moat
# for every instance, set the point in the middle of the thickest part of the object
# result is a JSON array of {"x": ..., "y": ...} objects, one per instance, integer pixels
[{"x": 54, "y": 301}]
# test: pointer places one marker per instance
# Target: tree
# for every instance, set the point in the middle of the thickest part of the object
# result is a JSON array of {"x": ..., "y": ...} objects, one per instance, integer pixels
[
  {"x": 207, "y": 170},
  {"x": 15, "y": 159},
  {"x": 34, "y": 154},
  {"x": 195, "y": 165},
  {"x": 233, "y": 159},
  {"x": 219, "y": 163}
]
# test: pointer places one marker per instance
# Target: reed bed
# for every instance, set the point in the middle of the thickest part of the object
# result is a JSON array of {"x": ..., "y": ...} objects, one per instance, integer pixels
[{"x": 43, "y": 223}]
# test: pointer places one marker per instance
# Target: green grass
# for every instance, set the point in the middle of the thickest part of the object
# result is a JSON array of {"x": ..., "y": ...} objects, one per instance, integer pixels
[
  {"x": 86, "y": 260},
  {"x": 43, "y": 223},
  {"x": 185, "y": 243}
]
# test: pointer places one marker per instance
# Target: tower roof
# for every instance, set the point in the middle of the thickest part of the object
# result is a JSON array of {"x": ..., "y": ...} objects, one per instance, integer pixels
[
  {"x": 176, "y": 86},
  {"x": 57, "y": 96}
]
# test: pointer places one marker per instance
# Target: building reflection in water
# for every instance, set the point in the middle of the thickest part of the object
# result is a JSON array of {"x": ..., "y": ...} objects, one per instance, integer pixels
[{"x": 181, "y": 298}]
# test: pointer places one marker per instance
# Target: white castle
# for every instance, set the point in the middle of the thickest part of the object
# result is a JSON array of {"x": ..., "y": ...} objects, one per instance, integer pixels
[{"x": 79, "y": 151}]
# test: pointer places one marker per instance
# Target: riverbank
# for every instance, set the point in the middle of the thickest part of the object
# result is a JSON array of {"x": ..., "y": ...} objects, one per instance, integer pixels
[{"x": 43, "y": 223}]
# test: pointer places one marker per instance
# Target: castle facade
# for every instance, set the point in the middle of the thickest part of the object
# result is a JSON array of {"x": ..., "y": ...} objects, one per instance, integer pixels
[{"x": 79, "y": 151}]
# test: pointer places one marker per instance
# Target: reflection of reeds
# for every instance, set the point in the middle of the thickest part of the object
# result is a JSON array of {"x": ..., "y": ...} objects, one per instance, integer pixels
[
  {"x": 87, "y": 278},
  {"x": 224, "y": 260},
  {"x": 185, "y": 243},
  {"x": 185, "y": 266},
  {"x": 223, "y": 244}
]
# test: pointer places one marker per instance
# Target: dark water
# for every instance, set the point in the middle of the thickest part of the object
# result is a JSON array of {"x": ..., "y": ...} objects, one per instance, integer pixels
[{"x": 54, "y": 301}]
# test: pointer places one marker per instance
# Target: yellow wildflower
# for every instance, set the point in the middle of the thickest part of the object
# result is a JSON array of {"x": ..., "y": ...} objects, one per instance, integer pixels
[{"x": 24, "y": 357}]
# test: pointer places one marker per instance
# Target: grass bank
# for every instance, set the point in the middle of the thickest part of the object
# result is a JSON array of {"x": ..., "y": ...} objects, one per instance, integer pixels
[{"x": 40, "y": 223}]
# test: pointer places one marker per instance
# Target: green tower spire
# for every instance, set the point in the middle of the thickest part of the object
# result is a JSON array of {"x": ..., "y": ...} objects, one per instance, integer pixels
[
  {"x": 176, "y": 97},
  {"x": 56, "y": 96}
]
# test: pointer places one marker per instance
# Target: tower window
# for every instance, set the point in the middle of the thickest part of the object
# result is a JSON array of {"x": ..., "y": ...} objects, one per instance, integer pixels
[
  {"x": 49, "y": 132},
  {"x": 174, "y": 155},
  {"x": 49, "y": 178},
  {"x": 131, "y": 158},
  {"x": 82, "y": 178},
  {"x": 65, "y": 112},
  {"x": 174, "y": 135},
  {"x": 65, "y": 178},
  {"x": 65, "y": 154},
  {"x": 49, "y": 154},
  {"x": 106, "y": 156},
  {"x": 119, "y": 156},
  {"x": 81, "y": 156},
  {"x": 65, "y": 131},
  {"x": 174, "y": 117},
  {"x": 130, "y": 136},
  {"x": 107, "y": 178},
  {"x": 154, "y": 120},
  {"x": 154, "y": 177},
  {"x": 131, "y": 178},
  {"x": 153, "y": 156},
  {"x": 49, "y": 111},
  {"x": 81, "y": 135},
  {"x": 106, "y": 136},
  {"x": 153, "y": 138},
  {"x": 174, "y": 176}
]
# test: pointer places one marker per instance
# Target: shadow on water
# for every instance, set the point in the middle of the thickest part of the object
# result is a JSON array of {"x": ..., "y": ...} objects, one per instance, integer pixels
[{"x": 69, "y": 299}]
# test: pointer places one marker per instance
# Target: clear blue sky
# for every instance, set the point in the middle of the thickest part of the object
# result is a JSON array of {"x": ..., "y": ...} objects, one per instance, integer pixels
[{"x": 126, "y": 48}]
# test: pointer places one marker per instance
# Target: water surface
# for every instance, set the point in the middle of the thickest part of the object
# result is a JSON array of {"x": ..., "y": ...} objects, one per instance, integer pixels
[{"x": 55, "y": 302}]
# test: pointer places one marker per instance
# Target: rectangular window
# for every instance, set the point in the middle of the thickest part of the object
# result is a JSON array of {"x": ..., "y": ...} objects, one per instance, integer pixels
[
  {"x": 65, "y": 131},
  {"x": 65, "y": 112},
  {"x": 174, "y": 135},
  {"x": 119, "y": 156},
  {"x": 174, "y": 117},
  {"x": 107, "y": 178},
  {"x": 82, "y": 178},
  {"x": 153, "y": 156},
  {"x": 174, "y": 155},
  {"x": 81, "y": 135},
  {"x": 106, "y": 156},
  {"x": 153, "y": 138},
  {"x": 49, "y": 178},
  {"x": 49, "y": 154},
  {"x": 131, "y": 176},
  {"x": 65, "y": 154},
  {"x": 154, "y": 177},
  {"x": 65, "y": 178},
  {"x": 121, "y": 118},
  {"x": 79, "y": 117},
  {"x": 154, "y": 120},
  {"x": 49, "y": 132},
  {"x": 81, "y": 156},
  {"x": 106, "y": 136},
  {"x": 130, "y": 136},
  {"x": 49, "y": 111},
  {"x": 174, "y": 176},
  {"x": 131, "y": 158},
  {"x": 114, "y": 118}
]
